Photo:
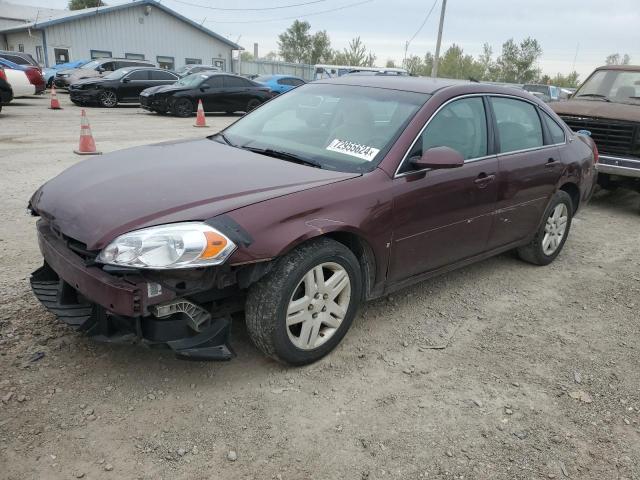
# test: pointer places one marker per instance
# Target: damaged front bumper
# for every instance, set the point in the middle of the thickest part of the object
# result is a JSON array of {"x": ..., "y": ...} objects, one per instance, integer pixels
[{"x": 126, "y": 308}]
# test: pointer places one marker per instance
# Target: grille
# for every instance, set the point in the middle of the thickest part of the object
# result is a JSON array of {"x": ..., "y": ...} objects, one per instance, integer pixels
[{"x": 611, "y": 137}]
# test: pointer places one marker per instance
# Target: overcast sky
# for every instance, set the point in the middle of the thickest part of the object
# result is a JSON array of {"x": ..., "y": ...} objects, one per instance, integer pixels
[{"x": 593, "y": 28}]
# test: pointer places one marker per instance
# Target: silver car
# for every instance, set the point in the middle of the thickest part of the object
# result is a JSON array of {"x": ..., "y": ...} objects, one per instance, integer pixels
[{"x": 96, "y": 68}]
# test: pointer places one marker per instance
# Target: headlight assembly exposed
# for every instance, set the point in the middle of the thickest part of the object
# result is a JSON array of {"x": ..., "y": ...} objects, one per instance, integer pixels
[{"x": 177, "y": 245}]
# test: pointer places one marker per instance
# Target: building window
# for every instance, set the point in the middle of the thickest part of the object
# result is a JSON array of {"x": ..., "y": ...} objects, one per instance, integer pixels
[
  {"x": 100, "y": 54},
  {"x": 216, "y": 62},
  {"x": 39, "y": 54},
  {"x": 165, "y": 62},
  {"x": 21, "y": 47},
  {"x": 61, "y": 55},
  {"x": 193, "y": 61},
  {"x": 134, "y": 56}
]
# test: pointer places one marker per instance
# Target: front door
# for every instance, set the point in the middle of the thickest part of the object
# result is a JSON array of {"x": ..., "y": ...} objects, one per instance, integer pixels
[
  {"x": 529, "y": 169},
  {"x": 443, "y": 216},
  {"x": 133, "y": 84}
]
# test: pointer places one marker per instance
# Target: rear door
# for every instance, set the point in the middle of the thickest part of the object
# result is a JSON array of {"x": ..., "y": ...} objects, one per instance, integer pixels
[
  {"x": 237, "y": 92},
  {"x": 529, "y": 169},
  {"x": 442, "y": 216}
]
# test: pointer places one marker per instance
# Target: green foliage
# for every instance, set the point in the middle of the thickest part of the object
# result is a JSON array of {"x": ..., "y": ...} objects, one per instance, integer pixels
[
  {"x": 390, "y": 63},
  {"x": 356, "y": 55},
  {"x": 297, "y": 44},
  {"x": 80, "y": 4},
  {"x": 455, "y": 64},
  {"x": 617, "y": 59},
  {"x": 246, "y": 56},
  {"x": 517, "y": 63}
]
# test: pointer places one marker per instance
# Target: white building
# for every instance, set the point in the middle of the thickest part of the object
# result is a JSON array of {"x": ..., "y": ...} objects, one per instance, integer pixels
[{"x": 142, "y": 29}]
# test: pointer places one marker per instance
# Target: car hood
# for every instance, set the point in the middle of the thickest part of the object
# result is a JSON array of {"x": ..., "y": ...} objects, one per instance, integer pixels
[
  {"x": 167, "y": 89},
  {"x": 103, "y": 197},
  {"x": 88, "y": 81},
  {"x": 598, "y": 109}
]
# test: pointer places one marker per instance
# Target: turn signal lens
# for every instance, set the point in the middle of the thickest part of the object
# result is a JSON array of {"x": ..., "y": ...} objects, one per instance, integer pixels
[{"x": 216, "y": 243}]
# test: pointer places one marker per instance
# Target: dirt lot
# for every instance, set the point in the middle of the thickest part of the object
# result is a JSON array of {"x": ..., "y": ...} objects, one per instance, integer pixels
[{"x": 539, "y": 377}]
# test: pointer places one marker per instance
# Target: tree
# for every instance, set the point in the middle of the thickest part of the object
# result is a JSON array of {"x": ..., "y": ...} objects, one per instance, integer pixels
[
  {"x": 455, "y": 64},
  {"x": 390, "y": 64},
  {"x": 517, "y": 63},
  {"x": 271, "y": 56},
  {"x": 356, "y": 55},
  {"x": 320, "y": 48},
  {"x": 487, "y": 67},
  {"x": 80, "y": 4},
  {"x": 296, "y": 42},
  {"x": 617, "y": 59},
  {"x": 246, "y": 56}
]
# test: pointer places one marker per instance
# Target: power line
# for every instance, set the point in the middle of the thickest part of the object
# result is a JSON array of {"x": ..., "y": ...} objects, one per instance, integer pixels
[
  {"x": 349, "y": 5},
  {"x": 249, "y": 9},
  {"x": 423, "y": 23}
]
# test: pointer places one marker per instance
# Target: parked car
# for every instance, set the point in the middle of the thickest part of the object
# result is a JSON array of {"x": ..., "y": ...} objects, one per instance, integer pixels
[
  {"x": 49, "y": 74},
  {"x": 340, "y": 191},
  {"x": 122, "y": 86},
  {"x": 607, "y": 106},
  {"x": 219, "y": 92},
  {"x": 6, "y": 92},
  {"x": 195, "y": 68},
  {"x": 24, "y": 79},
  {"x": 96, "y": 68},
  {"x": 279, "y": 83},
  {"x": 20, "y": 58},
  {"x": 546, "y": 93}
]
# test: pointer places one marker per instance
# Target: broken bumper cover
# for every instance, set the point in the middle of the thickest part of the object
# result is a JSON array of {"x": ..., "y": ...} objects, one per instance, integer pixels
[{"x": 112, "y": 309}]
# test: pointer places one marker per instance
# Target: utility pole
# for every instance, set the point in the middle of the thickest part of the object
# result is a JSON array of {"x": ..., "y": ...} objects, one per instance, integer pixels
[{"x": 434, "y": 70}]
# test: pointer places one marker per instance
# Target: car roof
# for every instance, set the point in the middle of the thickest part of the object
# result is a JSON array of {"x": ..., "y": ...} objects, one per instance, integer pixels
[
  {"x": 424, "y": 85},
  {"x": 629, "y": 68}
]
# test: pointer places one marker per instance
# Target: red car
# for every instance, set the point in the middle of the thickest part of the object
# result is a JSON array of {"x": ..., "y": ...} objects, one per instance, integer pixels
[{"x": 337, "y": 192}]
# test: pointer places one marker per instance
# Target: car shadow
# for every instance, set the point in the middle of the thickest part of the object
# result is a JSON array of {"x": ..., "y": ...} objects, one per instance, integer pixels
[{"x": 619, "y": 200}]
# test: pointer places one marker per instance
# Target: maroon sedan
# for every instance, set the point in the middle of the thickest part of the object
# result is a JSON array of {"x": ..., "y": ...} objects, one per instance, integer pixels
[{"x": 337, "y": 192}]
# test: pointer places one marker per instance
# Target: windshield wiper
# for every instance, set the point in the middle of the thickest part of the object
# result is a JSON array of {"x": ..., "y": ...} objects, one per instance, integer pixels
[
  {"x": 604, "y": 98},
  {"x": 289, "y": 157},
  {"x": 224, "y": 138}
]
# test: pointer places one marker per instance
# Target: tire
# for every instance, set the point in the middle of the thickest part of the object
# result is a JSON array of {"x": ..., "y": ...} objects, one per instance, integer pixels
[
  {"x": 253, "y": 103},
  {"x": 108, "y": 99},
  {"x": 539, "y": 252},
  {"x": 269, "y": 302},
  {"x": 183, "y": 108}
]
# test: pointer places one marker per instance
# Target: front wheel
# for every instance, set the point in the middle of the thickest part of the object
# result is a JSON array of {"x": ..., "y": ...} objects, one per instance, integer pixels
[
  {"x": 303, "y": 307},
  {"x": 183, "y": 108},
  {"x": 108, "y": 99},
  {"x": 552, "y": 234}
]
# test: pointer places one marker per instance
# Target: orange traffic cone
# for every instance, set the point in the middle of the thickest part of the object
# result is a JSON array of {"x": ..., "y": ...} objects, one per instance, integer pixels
[
  {"x": 87, "y": 145},
  {"x": 55, "y": 104},
  {"x": 200, "y": 120}
]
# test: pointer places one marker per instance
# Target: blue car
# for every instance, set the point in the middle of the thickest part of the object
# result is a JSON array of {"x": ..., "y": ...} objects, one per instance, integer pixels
[
  {"x": 50, "y": 73},
  {"x": 280, "y": 83}
]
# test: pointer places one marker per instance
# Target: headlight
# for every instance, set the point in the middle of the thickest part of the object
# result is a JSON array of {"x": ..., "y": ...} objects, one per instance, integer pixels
[
  {"x": 178, "y": 245},
  {"x": 63, "y": 75}
]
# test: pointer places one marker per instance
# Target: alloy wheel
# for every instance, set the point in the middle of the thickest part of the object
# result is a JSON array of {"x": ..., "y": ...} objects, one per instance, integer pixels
[
  {"x": 555, "y": 229},
  {"x": 108, "y": 99},
  {"x": 318, "y": 305}
]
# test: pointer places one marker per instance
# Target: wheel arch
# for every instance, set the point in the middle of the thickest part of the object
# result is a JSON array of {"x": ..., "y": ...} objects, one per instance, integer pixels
[{"x": 574, "y": 192}]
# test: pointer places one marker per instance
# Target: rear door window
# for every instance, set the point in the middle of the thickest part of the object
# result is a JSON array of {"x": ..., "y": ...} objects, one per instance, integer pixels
[
  {"x": 235, "y": 82},
  {"x": 518, "y": 124},
  {"x": 162, "y": 75},
  {"x": 139, "y": 75},
  {"x": 214, "y": 82}
]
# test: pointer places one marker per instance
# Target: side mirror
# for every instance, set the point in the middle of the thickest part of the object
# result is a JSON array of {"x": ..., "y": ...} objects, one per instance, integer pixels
[
  {"x": 99, "y": 69},
  {"x": 205, "y": 87},
  {"x": 126, "y": 80},
  {"x": 439, "y": 157}
]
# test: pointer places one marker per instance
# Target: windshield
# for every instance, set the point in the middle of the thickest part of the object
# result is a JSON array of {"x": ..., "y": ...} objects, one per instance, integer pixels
[
  {"x": 115, "y": 75},
  {"x": 338, "y": 127},
  {"x": 192, "y": 80},
  {"x": 618, "y": 86}
]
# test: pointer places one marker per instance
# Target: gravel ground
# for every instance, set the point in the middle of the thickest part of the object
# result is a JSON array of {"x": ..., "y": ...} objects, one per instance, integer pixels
[{"x": 538, "y": 374}]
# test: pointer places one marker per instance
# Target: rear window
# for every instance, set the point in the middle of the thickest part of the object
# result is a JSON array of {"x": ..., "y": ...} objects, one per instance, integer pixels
[
  {"x": 555, "y": 130},
  {"x": 519, "y": 126}
]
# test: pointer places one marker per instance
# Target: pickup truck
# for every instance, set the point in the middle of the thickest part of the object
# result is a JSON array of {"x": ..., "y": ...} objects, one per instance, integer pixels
[{"x": 607, "y": 107}]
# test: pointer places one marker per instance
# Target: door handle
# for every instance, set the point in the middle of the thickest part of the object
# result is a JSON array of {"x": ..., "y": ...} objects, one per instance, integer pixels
[
  {"x": 551, "y": 162},
  {"x": 483, "y": 180}
]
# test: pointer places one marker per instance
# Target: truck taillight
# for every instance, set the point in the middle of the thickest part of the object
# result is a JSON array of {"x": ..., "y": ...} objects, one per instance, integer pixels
[{"x": 3, "y": 76}]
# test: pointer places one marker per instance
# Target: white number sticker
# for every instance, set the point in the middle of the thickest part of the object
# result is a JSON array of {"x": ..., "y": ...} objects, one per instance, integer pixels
[{"x": 354, "y": 149}]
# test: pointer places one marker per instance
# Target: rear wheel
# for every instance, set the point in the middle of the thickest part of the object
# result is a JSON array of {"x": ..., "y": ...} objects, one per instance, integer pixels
[
  {"x": 108, "y": 99},
  {"x": 183, "y": 107},
  {"x": 253, "y": 103},
  {"x": 552, "y": 234},
  {"x": 303, "y": 307}
]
